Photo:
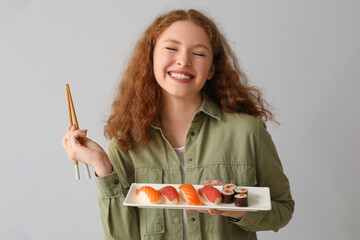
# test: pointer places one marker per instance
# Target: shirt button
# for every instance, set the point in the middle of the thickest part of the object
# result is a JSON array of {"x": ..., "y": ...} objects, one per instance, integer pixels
[
  {"x": 190, "y": 159},
  {"x": 116, "y": 181},
  {"x": 159, "y": 227},
  {"x": 177, "y": 220},
  {"x": 192, "y": 133},
  {"x": 193, "y": 219}
]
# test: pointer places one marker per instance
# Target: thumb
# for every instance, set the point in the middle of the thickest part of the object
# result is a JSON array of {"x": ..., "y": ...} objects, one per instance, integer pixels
[{"x": 214, "y": 183}]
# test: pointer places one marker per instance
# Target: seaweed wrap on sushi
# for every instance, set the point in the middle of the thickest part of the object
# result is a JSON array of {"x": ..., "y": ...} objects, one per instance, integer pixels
[
  {"x": 241, "y": 200},
  {"x": 227, "y": 195}
]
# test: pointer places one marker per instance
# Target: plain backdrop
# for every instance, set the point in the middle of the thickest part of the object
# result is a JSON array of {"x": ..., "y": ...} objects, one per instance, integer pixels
[{"x": 305, "y": 56}]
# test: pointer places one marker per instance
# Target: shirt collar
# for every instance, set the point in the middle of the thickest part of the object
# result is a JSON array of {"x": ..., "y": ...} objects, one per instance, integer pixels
[{"x": 210, "y": 108}]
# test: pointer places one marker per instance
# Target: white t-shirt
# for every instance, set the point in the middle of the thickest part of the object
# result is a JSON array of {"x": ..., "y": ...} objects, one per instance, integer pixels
[{"x": 181, "y": 152}]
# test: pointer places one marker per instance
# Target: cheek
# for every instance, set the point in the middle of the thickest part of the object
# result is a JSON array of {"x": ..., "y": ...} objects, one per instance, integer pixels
[
  {"x": 156, "y": 65},
  {"x": 202, "y": 64},
  {"x": 205, "y": 67},
  {"x": 159, "y": 70},
  {"x": 160, "y": 61}
]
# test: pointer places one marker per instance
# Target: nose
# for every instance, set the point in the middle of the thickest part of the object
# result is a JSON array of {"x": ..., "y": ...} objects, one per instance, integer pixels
[{"x": 183, "y": 60}]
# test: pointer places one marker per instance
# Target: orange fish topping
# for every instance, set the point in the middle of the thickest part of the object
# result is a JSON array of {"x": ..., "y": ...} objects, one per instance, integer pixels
[
  {"x": 152, "y": 194},
  {"x": 191, "y": 194}
]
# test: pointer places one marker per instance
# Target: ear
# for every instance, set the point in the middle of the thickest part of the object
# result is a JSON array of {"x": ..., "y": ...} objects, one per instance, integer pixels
[{"x": 211, "y": 72}]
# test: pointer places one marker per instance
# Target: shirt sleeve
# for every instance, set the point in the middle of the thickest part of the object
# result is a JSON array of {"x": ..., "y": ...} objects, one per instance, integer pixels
[
  {"x": 269, "y": 173},
  {"x": 119, "y": 221}
]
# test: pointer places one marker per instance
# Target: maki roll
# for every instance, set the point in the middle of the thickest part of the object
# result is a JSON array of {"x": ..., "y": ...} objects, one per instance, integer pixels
[
  {"x": 227, "y": 195},
  {"x": 230, "y": 186},
  {"x": 241, "y": 190},
  {"x": 241, "y": 200}
]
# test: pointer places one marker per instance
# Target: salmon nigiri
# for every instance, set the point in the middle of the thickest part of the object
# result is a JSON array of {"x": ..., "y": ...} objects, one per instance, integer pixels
[
  {"x": 189, "y": 194},
  {"x": 148, "y": 194},
  {"x": 211, "y": 194},
  {"x": 170, "y": 195}
]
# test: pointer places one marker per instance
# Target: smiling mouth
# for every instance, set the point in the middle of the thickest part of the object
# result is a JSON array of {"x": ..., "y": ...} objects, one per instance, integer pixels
[{"x": 180, "y": 76}]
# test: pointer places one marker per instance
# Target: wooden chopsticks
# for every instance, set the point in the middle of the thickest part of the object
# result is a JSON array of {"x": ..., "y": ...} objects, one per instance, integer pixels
[{"x": 71, "y": 115}]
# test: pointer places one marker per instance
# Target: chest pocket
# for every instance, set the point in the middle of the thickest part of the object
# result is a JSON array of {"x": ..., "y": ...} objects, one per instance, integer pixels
[
  {"x": 151, "y": 219},
  {"x": 239, "y": 174}
]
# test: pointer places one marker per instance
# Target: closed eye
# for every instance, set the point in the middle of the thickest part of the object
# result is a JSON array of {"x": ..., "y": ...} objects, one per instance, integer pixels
[
  {"x": 199, "y": 54},
  {"x": 170, "y": 49}
]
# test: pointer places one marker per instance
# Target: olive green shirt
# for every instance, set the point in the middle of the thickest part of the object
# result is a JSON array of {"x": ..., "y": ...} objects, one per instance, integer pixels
[{"x": 231, "y": 147}]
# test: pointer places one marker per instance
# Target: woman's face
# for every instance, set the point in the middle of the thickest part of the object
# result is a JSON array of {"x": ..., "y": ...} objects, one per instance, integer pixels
[{"x": 183, "y": 60}]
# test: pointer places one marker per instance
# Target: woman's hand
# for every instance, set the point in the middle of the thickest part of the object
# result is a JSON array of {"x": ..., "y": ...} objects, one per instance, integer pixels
[
  {"x": 80, "y": 148},
  {"x": 233, "y": 214}
]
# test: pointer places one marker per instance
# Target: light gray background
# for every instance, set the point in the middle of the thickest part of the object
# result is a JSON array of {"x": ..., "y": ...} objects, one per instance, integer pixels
[{"x": 304, "y": 54}]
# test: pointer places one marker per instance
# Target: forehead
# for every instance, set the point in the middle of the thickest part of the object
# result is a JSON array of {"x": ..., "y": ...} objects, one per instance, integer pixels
[{"x": 185, "y": 32}]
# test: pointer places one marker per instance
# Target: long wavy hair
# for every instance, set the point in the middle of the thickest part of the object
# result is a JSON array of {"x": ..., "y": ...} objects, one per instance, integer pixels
[{"x": 137, "y": 102}]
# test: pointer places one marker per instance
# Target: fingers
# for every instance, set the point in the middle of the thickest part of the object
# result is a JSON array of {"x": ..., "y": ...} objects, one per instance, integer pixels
[
  {"x": 208, "y": 211},
  {"x": 65, "y": 139},
  {"x": 75, "y": 137},
  {"x": 214, "y": 183},
  {"x": 214, "y": 212},
  {"x": 194, "y": 210},
  {"x": 72, "y": 141},
  {"x": 234, "y": 214}
]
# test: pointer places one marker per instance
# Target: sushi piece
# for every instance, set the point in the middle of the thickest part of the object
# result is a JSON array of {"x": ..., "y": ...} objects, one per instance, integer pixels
[
  {"x": 230, "y": 186},
  {"x": 170, "y": 195},
  {"x": 148, "y": 195},
  {"x": 227, "y": 195},
  {"x": 240, "y": 190},
  {"x": 189, "y": 194},
  {"x": 211, "y": 194},
  {"x": 241, "y": 200}
]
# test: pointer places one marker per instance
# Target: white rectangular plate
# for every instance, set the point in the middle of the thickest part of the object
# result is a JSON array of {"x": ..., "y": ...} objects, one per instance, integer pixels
[{"x": 258, "y": 199}]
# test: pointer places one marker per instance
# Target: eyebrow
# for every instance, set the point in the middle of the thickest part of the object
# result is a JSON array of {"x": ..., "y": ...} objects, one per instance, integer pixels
[{"x": 196, "y": 45}]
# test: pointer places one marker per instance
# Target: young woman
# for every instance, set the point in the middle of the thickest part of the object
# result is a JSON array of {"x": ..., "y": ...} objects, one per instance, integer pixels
[{"x": 184, "y": 113}]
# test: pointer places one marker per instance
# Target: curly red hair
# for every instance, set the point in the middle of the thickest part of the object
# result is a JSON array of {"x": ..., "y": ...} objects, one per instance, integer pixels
[{"x": 137, "y": 103}]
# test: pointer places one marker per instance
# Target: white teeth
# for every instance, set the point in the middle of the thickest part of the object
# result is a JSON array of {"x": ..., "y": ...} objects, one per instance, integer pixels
[{"x": 180, "y": 76}]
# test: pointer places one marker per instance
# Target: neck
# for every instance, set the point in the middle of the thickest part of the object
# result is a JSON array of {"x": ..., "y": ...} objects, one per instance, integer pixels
[
  {"x": 178, "y": 111},
  {"x": 176, "y": 116}
]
